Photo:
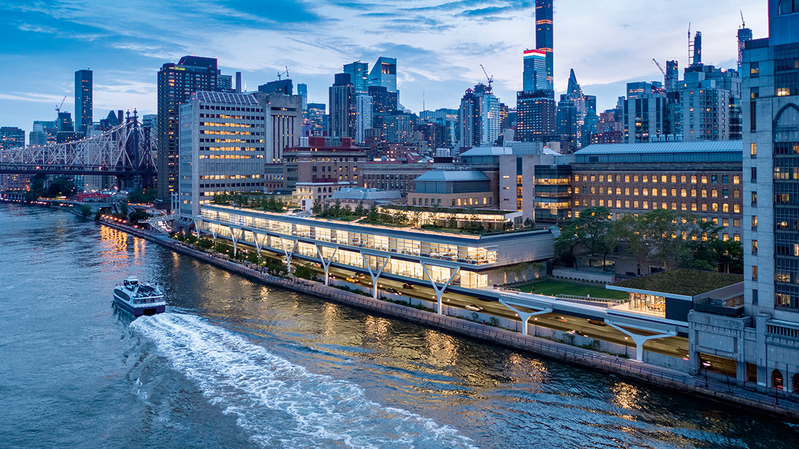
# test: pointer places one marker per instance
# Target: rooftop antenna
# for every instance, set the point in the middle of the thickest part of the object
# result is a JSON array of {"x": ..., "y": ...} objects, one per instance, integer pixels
[{"x": 423, "y": 107}]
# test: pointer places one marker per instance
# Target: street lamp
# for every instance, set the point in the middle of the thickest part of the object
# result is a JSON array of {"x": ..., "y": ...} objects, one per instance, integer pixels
[{"x": 625, "y": 347}]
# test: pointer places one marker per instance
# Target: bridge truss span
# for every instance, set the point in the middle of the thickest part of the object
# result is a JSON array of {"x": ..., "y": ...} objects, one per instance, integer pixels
[{"x": 126, "y": 151}]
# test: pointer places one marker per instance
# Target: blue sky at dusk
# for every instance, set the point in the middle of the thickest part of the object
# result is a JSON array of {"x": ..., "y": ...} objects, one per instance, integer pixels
[{"x": 439, "y": 45}]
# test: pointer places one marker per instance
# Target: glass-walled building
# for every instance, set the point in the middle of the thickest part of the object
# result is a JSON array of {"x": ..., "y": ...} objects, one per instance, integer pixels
[{"x": 474, "y": 261}]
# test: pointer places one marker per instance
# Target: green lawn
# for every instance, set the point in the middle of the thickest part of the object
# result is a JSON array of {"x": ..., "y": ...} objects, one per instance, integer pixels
[{"x": 552, "y": 288}]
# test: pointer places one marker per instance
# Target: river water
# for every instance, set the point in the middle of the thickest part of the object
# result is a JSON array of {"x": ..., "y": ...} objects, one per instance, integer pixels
[{"x": 237, "y": 364}]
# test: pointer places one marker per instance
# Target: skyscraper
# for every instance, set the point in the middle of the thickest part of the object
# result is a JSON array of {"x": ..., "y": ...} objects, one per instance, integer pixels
[
  {"x": 359, "y": 76},
  {"x": 176, "y": 83},
  {"x": 83, "y": 101},
  {"x": 534, "y": 76},
  {"x": 543, "y": 36},
  {"x": 744, "y": 34},
  {"x": 302, "y": 90},
  {"x": 342, "y": 107},
  {"x": 363, "y": 117},
  {"x": 479, "y": 117},
  {"x": 384, "y": 73},
  {"x": 535, "y": 115}
]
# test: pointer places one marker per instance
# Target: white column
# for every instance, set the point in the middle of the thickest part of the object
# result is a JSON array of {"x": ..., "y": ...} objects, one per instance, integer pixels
[
  {"x": 639, "y": 340},
  {"x": 375, "y": 276},
  {"x": 259, "y": 242},
  {"x": 440, "y": 293},
  {"x": 288, "y": 253},
  {"x": 326, "y": 264},
  {"x": 198, "y": 224},
  {"x": 234, "y": 235},
  {"x": 524, "y": 316}
]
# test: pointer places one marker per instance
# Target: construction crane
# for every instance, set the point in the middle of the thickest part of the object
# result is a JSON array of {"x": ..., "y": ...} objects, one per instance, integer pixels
[
  {"x": 742, "y": 20},
  {"x": 666, "y": 76},
  {"x": 58, "y": 106},
  {"x": 280, "y": 74},
  {"x": 489, "y": 78}
]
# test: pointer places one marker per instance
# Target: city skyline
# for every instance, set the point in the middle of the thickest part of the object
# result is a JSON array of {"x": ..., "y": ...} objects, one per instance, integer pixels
[{"x": 436, "y": 45}]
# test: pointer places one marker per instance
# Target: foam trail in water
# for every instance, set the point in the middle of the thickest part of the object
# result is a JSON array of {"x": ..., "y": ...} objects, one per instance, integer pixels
[{"x": 282, "y": 404}]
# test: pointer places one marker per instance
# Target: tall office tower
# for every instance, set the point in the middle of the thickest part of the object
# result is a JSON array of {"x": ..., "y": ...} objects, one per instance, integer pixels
[
  {"x": 315, "y": 122},
  {"x": 761, "y": 341},
  {"x": 710, "y": 104},
  {"x": 384, "y": 73},
  {"x": 342, "y": 107},
  {"x": 150, "y": 121},
  {"x": 696, "y": 58},
  {"x": 224, "y": 83},
  {"x": 12, "y": 137},
  {"x": 239, "y": 88},
  {"x": 672, "y": 78},
  {"x": 535, "y": 116},
  {"x": 534, "y": 76},
  {"x": 363, "y": 117},
  {"x": 543, "y": 37},
  {"x": 44, "y": 132},
  {"x": 744, "y": 35},
  {"x": 176, "y": 83},
  {"x": 302, "y": 90},
  {"x": 210, "y": 163},
  {"x": 83, "y": 101},
  {"x": 645, "y": 113},
  {"x": 384, "y": 103},
  {"x": 566, "y": 124},
  {"x": 359, "y": 76},
  {"x": 479, "y": 118},
  {"x": 285, "y": 87}
]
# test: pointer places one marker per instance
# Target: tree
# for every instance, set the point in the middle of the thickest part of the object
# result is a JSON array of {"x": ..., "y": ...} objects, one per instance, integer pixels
[
  {"x": 568, "y": 241},
  {"x": 664, "y": 231},
  {"x": 452, "y": 222},
  {"x": 630, "y": 234},
  {"x": 304, "y": 271},
  {"x": 85, "y": 210},
  {"x": 61, "y": 186},
  {"x": 123, "y": 209},
  {"x": 593, "y": 232},
  {"x": 373, "y": 216},
  {"x": 221, "y": 199},
  {"x": 359, "y": 210},
  {"x": 316, "y": 209},
  {"x": 529, "y": 224},
  {"x": 138, "y": 215},
  {"x": 144, "y": 196}
]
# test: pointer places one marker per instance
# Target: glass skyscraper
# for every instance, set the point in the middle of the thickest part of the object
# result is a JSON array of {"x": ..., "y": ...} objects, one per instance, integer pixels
[
  {"x": 83, "y": 101},
  {"x": 543, "y": 36}
]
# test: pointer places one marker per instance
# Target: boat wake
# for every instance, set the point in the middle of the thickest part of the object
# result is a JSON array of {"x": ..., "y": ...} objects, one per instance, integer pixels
[{"x": 282, "y": 404}]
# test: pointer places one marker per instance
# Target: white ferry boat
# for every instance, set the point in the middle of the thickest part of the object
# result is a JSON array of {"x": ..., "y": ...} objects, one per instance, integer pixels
[{"x": 139, "y": 298}]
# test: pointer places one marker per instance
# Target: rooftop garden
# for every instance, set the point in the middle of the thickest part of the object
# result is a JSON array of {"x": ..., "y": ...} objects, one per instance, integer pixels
[{"x": 682, "y": 282}]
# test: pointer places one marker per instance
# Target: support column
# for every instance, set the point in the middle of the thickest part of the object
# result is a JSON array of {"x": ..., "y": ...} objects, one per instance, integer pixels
[
  {"x": 375, "y": 276},
  {"x": 524, "y": 316},
  {"x": 234, "y": 235},
  {"x": 198, "y": 225},
  {"x": 259, "y": 243},
  {"x": 440, "y": 293},
  {"x": 326, "y": 264},
  {"x": 214, "y": 231},
  {"x": 639, "y": 340},
  {"x": 288, "y": 253}
]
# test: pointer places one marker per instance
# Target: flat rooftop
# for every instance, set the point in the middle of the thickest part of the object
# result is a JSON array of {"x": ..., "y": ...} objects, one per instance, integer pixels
[{"x": 682, "y": 282}]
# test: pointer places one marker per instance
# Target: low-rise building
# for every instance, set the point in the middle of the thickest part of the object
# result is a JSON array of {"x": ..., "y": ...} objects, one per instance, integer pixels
[
  {"x": 460, "y": 262},
  {"x": 323, "y": 160},
  {"x": 703, "y": 178}
]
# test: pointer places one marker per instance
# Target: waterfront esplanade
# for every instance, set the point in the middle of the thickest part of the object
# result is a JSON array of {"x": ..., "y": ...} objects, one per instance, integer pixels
[{"x": 445, "y": 260}]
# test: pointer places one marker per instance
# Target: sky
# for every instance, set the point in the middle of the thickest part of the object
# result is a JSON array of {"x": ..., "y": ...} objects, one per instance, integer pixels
[{"x": 439, "y": 45}]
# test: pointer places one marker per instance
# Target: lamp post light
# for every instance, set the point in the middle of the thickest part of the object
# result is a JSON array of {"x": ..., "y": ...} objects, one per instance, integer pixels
[
  {"x": 536, "y": 327},
  {"x": 625, "y": 347}
]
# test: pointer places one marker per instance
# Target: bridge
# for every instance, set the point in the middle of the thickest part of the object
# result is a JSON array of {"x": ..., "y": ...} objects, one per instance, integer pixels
[{"x": 127, "y": 151}]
